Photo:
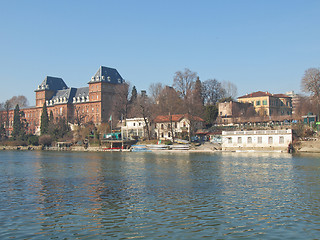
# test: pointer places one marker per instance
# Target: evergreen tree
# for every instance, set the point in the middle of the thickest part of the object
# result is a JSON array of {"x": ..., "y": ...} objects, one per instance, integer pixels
[
  {"x": 195, "y": 104},
  {"x": 2, "y": 131},
  {"x": 51, "y": 118},
  {"x": 198, "y": 92},
  {"x": 211, "y": 114},
  {"x": 44, "y": 120},
  {"x": 18, "y": 131},
  {"x": 134, "y": 94}
]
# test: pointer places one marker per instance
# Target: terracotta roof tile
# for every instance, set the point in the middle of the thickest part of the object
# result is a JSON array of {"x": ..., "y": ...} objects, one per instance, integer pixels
[
  {"x": 262, "y": 94},
  {"x": 176, "y": 118}
]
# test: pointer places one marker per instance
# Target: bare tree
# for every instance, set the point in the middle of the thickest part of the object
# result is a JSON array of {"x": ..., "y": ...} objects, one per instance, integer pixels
[
  {"x": 310, "y": 83},
  {"x": 122, "y": 101},
  {"x": 7, "y": 106},
  {"x": 155, "y": 90},
  {"x": 142, "y": 107},
  {"x": 183, "y": 82},
  {"x": 169, "y": 102},
  {"x": 80, "y": 115},
  {"x": 230, "y": 89},
  {"x": 304, "y": 106},
  {"x": 213, "y": 91},
  {"x": 20, "y": 100}
]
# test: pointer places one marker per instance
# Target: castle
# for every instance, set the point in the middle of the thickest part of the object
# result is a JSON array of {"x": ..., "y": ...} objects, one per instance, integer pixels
[{"x": 76, "y": 105}]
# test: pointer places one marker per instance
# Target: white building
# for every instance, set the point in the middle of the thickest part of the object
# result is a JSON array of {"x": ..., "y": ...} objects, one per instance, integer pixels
[
  {"x": 179, "y": 125},
  {"x": 257, "y": 139},
  {"x": 134, "y": 127}
]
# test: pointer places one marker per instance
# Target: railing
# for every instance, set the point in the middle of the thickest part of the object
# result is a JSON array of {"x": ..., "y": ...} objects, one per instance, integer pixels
[{"x": 257, "y": 132}]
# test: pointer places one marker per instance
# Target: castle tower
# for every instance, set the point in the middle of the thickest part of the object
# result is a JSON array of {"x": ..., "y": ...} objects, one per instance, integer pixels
[
  {"x": 48, "y": 88},
  {"x": 101, "y": 92}
]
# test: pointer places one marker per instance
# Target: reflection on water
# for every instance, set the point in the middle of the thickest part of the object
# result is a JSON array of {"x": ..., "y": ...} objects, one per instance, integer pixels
[{"x": 47, "y": 195}]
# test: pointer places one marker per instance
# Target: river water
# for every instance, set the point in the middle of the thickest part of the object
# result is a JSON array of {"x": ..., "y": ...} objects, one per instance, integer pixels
[{"x": 63, "y": 195}]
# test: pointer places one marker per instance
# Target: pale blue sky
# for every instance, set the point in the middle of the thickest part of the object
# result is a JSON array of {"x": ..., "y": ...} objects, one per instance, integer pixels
[{"x": 257, "y": 45}]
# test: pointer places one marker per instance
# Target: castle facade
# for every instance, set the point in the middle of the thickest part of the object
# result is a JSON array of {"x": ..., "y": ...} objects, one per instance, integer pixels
[{"x": 77, "y": 105}]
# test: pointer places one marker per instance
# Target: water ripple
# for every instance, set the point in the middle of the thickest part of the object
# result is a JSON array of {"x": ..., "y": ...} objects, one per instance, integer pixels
[{"x": 164, "y": 196}]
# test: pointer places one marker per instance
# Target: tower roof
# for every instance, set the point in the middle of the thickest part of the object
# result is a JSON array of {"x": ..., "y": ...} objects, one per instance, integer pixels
[
  {"x": 52, "y": 83},
  {"x": 106, "y": 74}
]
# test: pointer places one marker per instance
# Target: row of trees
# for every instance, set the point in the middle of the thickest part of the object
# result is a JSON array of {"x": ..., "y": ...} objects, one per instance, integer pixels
[
  {"x": 51, "y": 129},
  {"x": 188, "y": 95},
  {"x": 19, "y": 122}
]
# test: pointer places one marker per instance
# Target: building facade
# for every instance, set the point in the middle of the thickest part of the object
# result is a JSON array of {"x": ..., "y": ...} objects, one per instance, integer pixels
[
  {"x": 228, "y": 111},
  {"x": 135, "y": 127},
  {"x": 267, "y": 104},
  {"x": 177, "y": 126},
  {"x": 257, "y": 140},
  {"x": 77, "y": 105}
]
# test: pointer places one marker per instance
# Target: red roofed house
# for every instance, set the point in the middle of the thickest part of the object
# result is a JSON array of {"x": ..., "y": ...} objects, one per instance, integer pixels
[
  {"x": 268, "y": 104},
  {"x": 180, "y": 125}
]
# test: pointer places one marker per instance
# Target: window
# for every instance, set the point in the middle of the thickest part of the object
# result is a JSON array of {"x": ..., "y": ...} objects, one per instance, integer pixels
[
  {"x": 259, "y": 139},
  {"x": 175, "y": 125},
  {"x": 161, "y": 125},
  {"x": 249, "y": 140},
  {"x": 239, "y": 139},
  {"x": 281, "y": 139},
  {"x": 169, "y": 135},
  {"x": 169, "y": 125},
  {"x": 270, "y": 140},
  {"x": 258, "y": 103},
  {"x": 161, "y": 134},
  {"x": 229, "y": 140},
  {"x": 134, "y": 124},
  {"x": 264, "y": 102}
]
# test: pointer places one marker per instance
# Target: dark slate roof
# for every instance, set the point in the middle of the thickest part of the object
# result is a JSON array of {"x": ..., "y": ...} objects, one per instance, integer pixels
[
  {"x": 106, "y": 74},
  {"x": 69, "y": 94},
  {"x": 81, "y": 92},
  {"x": 62, "y": 94},
  {"x": 52, "y": 83}
]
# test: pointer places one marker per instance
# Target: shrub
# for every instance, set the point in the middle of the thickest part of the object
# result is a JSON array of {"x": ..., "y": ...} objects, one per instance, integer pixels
[
  {"x": 45, "y": 140},
  {"x": 33, "y": 140},
  {"x": 167, "y": 142}
]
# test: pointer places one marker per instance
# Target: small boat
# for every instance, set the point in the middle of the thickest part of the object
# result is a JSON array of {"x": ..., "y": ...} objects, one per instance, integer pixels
[
  {"x": 158, "y": 147},
  {"x": 139, "y": 148},
  {"x": 180, "y": 147},
  {"x": 177, "y": 140}
]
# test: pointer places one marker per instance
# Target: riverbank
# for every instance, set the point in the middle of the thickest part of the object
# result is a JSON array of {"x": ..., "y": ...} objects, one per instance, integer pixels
[
  {"x": 312, "y": 146},
  {"x": 300, "y": 147}
]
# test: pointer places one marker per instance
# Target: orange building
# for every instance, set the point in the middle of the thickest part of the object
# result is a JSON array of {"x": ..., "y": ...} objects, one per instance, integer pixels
[{"x": 77, "y": 105}]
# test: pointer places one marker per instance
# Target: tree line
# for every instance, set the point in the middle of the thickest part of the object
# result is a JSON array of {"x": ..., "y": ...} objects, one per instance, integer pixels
[{"x": 187, "y": 95}]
